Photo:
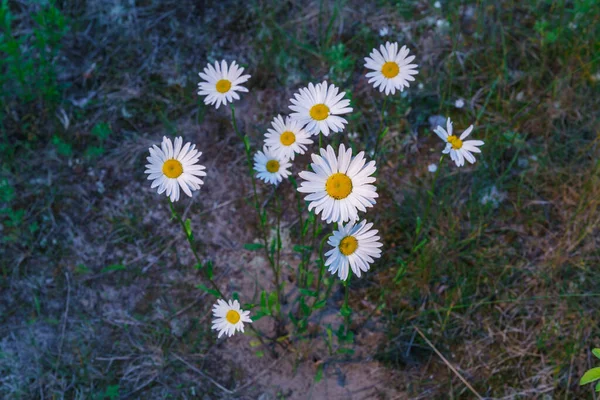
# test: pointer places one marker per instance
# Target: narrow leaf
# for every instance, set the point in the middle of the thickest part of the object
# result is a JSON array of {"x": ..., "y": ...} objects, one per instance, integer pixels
[
  {"x": 345, "y": 311},
  {"x": 188, "y": 227},
  {"x": 113, "y": 267},
  {"x": 590, "y": 376},
  {"x": 319, "y": 374},
  {"x": 208, "y": 290},
  {"x": 320, "y": 304},
  {"x": 253, "y": 246}
]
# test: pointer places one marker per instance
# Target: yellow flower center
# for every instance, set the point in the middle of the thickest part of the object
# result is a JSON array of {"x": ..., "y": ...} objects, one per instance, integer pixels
[
  {"x": 272, "y": 166},
  {"x": 338, "y": 186},
  {"x": 390, "y": 69},
  {"x": 223, "y": 86},
  {"x": 287, "y": 138},
  {"x": 232, "y": 316},
  {"x": 319, "y": 112},
  {"x": 348, "y": 245},
  {"x": 172, "y": 168},
  {"x": 455, "y": 142}
]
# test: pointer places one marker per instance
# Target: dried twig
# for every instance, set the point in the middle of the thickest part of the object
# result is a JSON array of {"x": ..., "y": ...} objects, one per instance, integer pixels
[
  {"x": 264, "y": 371},
  {"x": 448, "y": 364},
  {"x": 211, "y": 380},
  {"x": 64, "y": 325}
]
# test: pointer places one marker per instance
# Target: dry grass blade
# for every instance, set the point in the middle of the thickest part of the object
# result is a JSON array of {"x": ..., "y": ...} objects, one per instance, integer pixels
[
  {"x": 211, "y": 380},
  {"x": 467, "y": 384}
]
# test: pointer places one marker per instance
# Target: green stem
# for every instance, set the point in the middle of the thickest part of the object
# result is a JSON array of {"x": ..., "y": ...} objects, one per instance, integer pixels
[
  {"x": 277, "y": 265},
  {"x": 321, "y": 266},
  {"x": 191, "y": 243},
  {"x": 382, "y": 127},
  {"x": 346, "y": 291},
  {"x": 213, "y": 284},
  {"x": 432, "y": 192},
  {"x": 302, "y": 267},
  {"x": 261, "y": 219}
]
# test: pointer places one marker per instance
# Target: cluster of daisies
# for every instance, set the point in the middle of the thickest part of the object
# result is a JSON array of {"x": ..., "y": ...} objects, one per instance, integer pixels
[{"x": 338, "y": 185}]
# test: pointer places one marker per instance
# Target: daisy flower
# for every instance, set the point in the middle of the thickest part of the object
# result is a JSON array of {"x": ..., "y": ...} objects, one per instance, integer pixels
[
  {"x": 353, "y": 245},
  {"x": 271, "y": 167},
  {"x": 228, "y": 317},
  {"x": 317, "y": 108},
  {"x": 392, "y": 69},
  {"x": 459, "y": 150},
  {"x": 221, "y": 83},
  {"x": 287, "y": 138},
  {"x": 172, "y": 167},
  {"x": 340, "y": 186}
]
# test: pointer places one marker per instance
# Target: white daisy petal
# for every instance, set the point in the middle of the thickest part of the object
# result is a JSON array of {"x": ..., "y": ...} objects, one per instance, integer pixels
[
  {"x": 229, "y": 317},
  {"x": 287, "y": 138},
  {"x": 174, "y": 167},
  {"x": 392, "y": 68},
  {"x": 459, "y": 151},
  {"x": 340, "y": 185},
  {"x": 355, "y": 246},
  {"x": 221, "y": 83},
  {"x": 316, "y": 106},
  {"x": 270, "y": 166}
]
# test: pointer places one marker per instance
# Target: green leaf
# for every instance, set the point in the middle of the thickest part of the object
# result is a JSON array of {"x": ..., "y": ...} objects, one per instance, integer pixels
[
  {"x": 260, "y": 353},
  {"x": 293, "y": 319},
  {"x": 247, "y": 143},
  {"x": 345, "y": 351},
  {"x": 329, "y": 334},
  {"x": 62, "y": 148},
  {"x": 209, "y": 269},
  {"x": 82, "y": 269},
  {"x": 320, "y": 304},
  {"x": 305, "y": 228},
  {"x": 94, "y": 151},
  {"x": 293, "y": 181},
  {"x": 590, "y": 376},
  {"x": 272, "y": 300},
  {"x": 258, "y": 315},
  {"x": 596, "y": 352},
  {"x": 319, "y": 373},
  {"x": 341, "y": 332},
  {"x": 401, "y": 271},
  {"x": 310, "y": 277},
  {"x": 418, "y": 246},
  {"x": 254, "y": 343},
  {"x": 419, "y": 226},
  {"x": 263, "y": 301},
  {"x": 112, "y": 392},
  {"x": 598, "y": 387},
  {"x": 235, "y": 296},
  {"x": 101, "y": 131},
  {"x": 345, "y": 311},
  {"x": 304, "y": 307},
  {"x": 384, "y": 133},
  {"x": 112, "y": 267},
  {"x": 253, "y": 246},
  {"x": 301, "y": 249},
  {"x": 310, "y": 293},
  {"x": 188, "y": 227},
  {"x": 203, "y": 287}
]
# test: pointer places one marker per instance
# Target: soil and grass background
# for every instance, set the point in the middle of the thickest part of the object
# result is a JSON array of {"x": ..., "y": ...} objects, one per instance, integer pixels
[{"x": 498, "y": 278}]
